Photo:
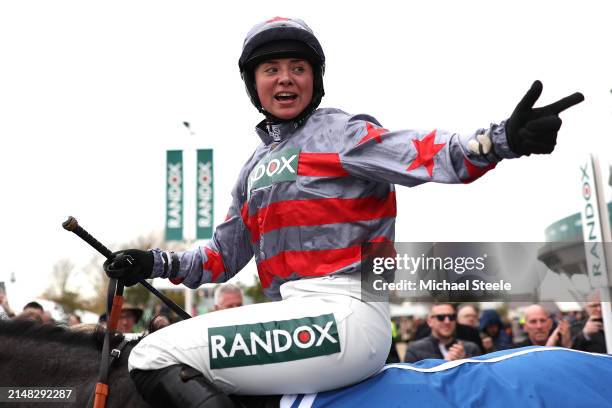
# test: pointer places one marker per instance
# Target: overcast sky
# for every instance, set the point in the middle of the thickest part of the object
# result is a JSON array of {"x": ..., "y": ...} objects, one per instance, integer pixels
[{"x": 93, "y": 93}]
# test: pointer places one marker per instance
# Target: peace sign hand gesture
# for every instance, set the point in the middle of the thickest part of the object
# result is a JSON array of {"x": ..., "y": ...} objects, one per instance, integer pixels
[{"x": 534, "y": 130}]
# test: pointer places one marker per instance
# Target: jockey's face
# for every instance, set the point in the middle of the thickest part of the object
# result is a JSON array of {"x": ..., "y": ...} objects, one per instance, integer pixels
[{"x": 284, "y": 86}]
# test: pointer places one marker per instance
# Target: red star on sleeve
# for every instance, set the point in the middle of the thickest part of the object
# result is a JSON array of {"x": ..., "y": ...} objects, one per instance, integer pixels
[
  {"x": 426, "y": 150},
  {"x": 214, "y": 263},
  {"x": 372, "y": 133}
]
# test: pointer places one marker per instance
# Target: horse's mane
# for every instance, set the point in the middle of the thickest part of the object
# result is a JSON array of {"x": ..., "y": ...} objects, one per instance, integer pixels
[{"x": 92, "y": 337}]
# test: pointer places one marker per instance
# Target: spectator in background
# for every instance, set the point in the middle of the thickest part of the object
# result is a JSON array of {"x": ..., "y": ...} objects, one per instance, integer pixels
[
  {"x": 32, "y": 311},
  {"x": 34, "y": 306},
  {"x": 30, "y": 315},
  {"x": 47, "y": 318},
  {"x": 102, "y": 321},
  {"x": 466, "y": 328},
  {"x": 538, "y": 325},
  {"x": 73, "y": 319},
  {"x": 130, "y": 315},
  {"x": 8, "y": 312},
  {"x": 227, "y": 296},
  {"x": 578, "y": 316},
  {"x": 442, "y": 342},
  {"x": 491, "y": 324},
  {"x": 467, "y": 315},
  {"x": 590, "y": 335},
  {"x": 159, "y": 322},
  {"x": 393, "y": 356},
  {"x": 487, "y": 343}
]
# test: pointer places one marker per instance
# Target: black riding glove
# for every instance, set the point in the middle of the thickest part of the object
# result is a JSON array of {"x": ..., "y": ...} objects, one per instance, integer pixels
[
  {"x": 130, "y": 266},
  {"x": 534, "y": 130}
]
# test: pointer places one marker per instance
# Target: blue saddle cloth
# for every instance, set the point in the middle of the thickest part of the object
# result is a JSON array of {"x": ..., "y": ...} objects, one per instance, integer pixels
[{"x": 525, "y": 377}]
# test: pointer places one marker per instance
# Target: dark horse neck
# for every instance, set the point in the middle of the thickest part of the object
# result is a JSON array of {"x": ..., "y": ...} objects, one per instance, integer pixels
[
  {"x": 36, "y": 355},
  {"x": 52, "y": 356}
]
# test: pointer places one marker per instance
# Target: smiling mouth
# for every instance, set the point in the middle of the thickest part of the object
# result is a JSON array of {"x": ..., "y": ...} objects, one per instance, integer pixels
[{"x": 285, "y": 96}]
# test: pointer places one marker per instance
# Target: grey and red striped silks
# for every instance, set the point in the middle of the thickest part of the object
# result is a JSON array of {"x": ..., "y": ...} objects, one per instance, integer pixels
[{"x": 313, "y": 193}]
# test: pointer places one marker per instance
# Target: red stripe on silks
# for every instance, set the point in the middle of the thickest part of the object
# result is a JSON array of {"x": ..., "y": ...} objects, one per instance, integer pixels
[
  {"x": 310, "y": 263},
  {"x": 214, "y": 263},
  {"x": 176, "y": 281},
  {"x": 320, "y": 165},
  {"x": 383, "y": 247},
  {"x": 299, "y": 213},
  {"x": 475, "y": 172},
  {"x": 373, "y": 133},
  {"x": 250, "y": 222},
  {"x": 306, "y": 263}
]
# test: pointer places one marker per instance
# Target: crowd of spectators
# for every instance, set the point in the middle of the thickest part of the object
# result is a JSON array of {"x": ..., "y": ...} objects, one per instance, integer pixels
[
  {"x": 133, "y": 319},
  {"x": 453, "y": 331},
  {"x": 449, "y": 331},
  {"x": 31, "y": 311}
]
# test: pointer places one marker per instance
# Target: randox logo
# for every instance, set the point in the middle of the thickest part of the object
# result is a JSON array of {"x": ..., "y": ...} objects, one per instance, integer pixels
[
  {"x": 204, "y": 195},
  {"x": 590, "y": 219},
  {"x": 280, "y": 166},
  {"x": 273, "y": 342},
  {"x": 174, "y": 195}
]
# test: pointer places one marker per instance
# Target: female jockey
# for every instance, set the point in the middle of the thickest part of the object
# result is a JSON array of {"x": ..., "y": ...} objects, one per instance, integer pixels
[{"x": 319, "y": 186}]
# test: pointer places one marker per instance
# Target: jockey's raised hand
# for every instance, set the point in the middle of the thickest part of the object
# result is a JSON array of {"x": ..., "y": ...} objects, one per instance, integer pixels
[
  {"x": 534, "y": 130},
  {"x": 129, "y": 266}
]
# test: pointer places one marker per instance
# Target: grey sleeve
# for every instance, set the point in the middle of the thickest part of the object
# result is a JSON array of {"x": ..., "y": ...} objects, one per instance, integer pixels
[{"x": 413, "y": 157}]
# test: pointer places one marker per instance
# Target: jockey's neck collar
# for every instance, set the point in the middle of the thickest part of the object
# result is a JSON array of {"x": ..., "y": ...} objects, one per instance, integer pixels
[{"x": 275, "y": 132}]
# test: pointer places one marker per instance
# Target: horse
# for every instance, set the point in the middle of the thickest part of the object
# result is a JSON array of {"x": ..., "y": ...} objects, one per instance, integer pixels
[{"x": 48, "y": 355}]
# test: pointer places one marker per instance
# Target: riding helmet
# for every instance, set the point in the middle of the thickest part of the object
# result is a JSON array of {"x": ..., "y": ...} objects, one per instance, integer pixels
[{"x": 282, "y": 37}]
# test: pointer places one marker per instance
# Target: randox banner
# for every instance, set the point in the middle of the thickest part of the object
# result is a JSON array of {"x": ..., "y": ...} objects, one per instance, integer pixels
[
  {"x": 174, "y": 195},
  {"x": 592, "y": 228},
  {"x": 204, "y": 194}
]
